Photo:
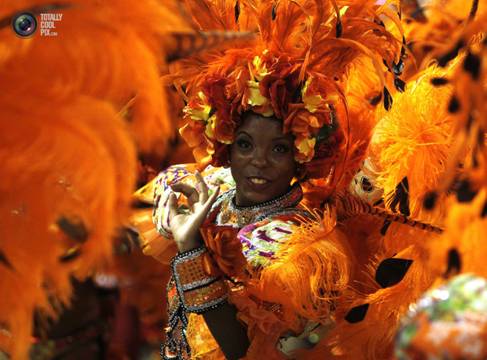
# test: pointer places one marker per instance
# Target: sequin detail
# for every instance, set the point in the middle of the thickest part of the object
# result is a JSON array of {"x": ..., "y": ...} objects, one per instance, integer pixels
[
  {"x": 230, "y": 214},
  {"x": 261, "y": 241},
  {"x": 190, "y": 290}
]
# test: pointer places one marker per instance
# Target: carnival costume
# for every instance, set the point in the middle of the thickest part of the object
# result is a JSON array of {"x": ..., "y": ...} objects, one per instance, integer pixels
[
  {"x": 369, "y": 187},
  {"x": 324, "y": 69},
  {"x": 234, "y": 236},
  {"x": 285, "y": 272}
]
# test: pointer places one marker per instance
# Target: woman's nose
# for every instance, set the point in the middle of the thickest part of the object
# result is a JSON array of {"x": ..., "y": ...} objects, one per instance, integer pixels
[{"x": 259, "y": 158}]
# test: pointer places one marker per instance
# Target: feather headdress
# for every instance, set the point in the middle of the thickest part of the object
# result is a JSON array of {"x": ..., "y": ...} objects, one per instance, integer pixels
[{"x": 297, "y": 70}]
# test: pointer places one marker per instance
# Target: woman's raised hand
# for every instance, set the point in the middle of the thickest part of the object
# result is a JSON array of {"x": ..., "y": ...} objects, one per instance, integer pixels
[{"x": 185, "y": 223}]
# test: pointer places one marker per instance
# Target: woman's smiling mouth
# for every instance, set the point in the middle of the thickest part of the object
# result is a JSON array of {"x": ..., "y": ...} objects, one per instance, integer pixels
[
  {"x": 258, "y": 180},
  {"x": 258, "y": 184}
]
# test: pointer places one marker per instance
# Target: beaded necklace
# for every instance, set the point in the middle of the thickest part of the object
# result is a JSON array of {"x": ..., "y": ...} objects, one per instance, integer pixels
[{"x": 231, "y": 214}]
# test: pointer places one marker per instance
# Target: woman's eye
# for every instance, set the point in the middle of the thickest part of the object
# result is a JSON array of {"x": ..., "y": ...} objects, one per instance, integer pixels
[
  {"x": 281, "y": 148},
  {"x": 244, "y": 144}
]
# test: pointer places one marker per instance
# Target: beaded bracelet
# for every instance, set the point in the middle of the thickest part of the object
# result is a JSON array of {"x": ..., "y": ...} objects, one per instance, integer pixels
[
  {"x": 198, "y": 291},
  {"x": 190, "y": 289}
]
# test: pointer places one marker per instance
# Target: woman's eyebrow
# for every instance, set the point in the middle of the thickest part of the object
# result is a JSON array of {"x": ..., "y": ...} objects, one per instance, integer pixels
[{"x": 242, "y": 132}]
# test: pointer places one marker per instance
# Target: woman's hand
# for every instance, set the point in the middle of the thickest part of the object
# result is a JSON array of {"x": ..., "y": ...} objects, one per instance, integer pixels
[{"x": 185, "y": 223}]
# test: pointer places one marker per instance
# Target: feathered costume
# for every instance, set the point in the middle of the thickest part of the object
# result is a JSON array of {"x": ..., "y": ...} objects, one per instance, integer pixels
[
  {"x": 386, "y": 219},
  {"x": 459, "y": 249},
  {"x": 307, "y": 69},
  {"x": 93, "y": 99},
  {"x": 425, "y": 146}
]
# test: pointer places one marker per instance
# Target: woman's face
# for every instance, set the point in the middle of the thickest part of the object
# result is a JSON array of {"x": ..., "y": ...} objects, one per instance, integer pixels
[{"x": 261, "y": 160}]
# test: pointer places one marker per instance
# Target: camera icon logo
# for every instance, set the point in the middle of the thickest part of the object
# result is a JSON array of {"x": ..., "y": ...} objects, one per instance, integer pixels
[{"x": 24, "y": 24}]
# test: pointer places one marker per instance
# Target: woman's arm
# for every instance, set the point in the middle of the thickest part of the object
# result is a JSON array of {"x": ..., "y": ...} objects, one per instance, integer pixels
[{"x": 228, "y": 332}]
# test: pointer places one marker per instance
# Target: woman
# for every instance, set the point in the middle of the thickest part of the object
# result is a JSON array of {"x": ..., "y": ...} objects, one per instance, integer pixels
[
  {"x": 274, "y": 111},
  {"x": 263, "y": 166}
]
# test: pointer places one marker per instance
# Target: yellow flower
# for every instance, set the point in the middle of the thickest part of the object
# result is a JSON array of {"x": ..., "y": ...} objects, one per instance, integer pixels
[
  {"x": 311, "y": 102},
  {"x": 210, "y": 127},
  {"x": 260, "y": 68},
  {"x": 255, "y": 97},
  {"x": 198, "y": 110},
  {"x": 305, "y": 146}
]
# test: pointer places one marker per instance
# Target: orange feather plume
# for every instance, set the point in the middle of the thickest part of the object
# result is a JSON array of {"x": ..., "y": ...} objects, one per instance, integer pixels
[{"x": 68, "y": 152}]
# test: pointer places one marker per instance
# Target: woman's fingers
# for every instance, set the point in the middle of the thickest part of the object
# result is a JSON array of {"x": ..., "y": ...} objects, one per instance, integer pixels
[
  {"x": 202, "y": 211},
  {"x": 190, "y": 192},
  {"x": 172, "y": 206},
  {"x": 199, "y": 193},
  {"x": 198, "y": 200},
  {"x": 209, "y": 202},
  {"x": 166, "y": 214},
  {"x": 185, "y": 225},
  {"x": 201, "y": 187}
]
